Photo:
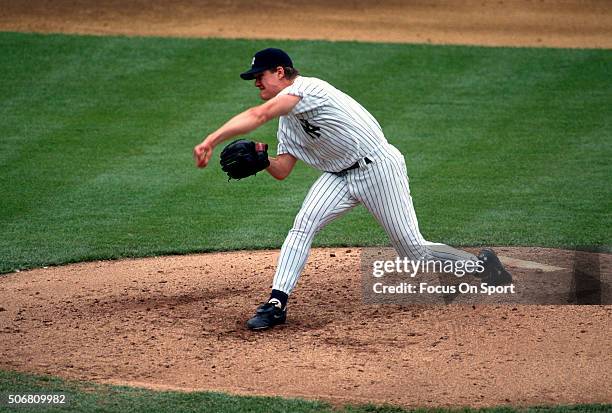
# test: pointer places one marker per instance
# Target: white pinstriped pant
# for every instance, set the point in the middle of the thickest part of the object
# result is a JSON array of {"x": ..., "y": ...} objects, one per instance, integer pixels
[{"x": 382, "y": 187}]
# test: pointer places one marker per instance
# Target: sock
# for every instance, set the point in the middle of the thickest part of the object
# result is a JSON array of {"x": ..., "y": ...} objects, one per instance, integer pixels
[{"x": 279, "y": 298}]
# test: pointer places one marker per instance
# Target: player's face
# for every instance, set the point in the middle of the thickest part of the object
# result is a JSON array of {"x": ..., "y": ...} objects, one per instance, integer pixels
[{"x": 269, "y": 84}]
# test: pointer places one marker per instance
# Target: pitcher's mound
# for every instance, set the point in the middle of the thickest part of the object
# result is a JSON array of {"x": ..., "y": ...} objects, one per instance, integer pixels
[{"x": 179, "y": 322}]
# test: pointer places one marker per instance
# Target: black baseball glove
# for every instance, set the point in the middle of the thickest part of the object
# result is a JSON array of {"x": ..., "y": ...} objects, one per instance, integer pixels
[{"x": 243, "y": 158}]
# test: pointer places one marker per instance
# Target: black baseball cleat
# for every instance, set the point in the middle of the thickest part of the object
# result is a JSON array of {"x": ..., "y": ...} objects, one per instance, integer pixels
[
  {"x": 494, "y": 272},
  {"x": 267, "y": 315}
]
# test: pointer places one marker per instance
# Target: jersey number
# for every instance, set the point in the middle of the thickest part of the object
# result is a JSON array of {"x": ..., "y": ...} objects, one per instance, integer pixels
[{"x": 311, "y": 130}]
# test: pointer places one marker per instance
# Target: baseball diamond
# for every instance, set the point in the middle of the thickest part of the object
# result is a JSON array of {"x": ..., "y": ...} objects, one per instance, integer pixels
[{"x": 122, "y": 264}]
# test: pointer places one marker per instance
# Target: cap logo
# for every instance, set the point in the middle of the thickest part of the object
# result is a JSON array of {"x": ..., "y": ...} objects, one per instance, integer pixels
[{"x": 253, "y": 62}]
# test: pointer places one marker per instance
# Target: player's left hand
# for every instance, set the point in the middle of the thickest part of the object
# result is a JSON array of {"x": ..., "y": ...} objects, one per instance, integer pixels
[
  {"x": 243, "y": 158},
  {"x": 202, "y": 154}
]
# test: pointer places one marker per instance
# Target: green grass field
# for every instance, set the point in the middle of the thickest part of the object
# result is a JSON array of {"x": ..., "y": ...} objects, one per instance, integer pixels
[
  {"x": 91, "y": 397},
  {"x": 505, "y": 146}
]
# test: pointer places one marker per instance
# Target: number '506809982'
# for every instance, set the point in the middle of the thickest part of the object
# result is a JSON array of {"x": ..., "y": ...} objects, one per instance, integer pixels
[{"x": 36, "y": 399}]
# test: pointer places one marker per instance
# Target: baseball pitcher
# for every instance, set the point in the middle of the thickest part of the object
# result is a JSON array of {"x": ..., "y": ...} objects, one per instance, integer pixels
[{"x": 330, "y": 131}]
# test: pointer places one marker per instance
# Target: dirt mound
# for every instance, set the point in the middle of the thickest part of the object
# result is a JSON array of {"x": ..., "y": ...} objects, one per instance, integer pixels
[{"x": 178, "y": 322}]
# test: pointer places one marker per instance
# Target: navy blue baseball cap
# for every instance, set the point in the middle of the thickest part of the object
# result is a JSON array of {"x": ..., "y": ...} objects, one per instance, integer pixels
[{"x": 267, "y": 59}]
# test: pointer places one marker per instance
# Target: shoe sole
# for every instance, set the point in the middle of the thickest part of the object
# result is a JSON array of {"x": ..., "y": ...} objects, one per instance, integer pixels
[
  {"x": 259, "y": 328},
  {"x": 262, "y": 327},
  {"x": 265, "y": 327},
  {"x": 502, "y": 276}
]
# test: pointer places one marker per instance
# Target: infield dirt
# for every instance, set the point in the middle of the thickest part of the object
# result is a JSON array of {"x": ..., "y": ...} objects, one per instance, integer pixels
[
  {"x": 570, "y": 23},
  {"x": 178, "y": 322}
]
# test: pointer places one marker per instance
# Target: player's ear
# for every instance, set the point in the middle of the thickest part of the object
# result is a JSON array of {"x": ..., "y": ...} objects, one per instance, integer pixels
[{"x": 280, "y": 72}]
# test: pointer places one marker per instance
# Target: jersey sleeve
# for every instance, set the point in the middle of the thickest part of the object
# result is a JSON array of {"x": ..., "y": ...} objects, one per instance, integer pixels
[{"x": 312, "y": 96}]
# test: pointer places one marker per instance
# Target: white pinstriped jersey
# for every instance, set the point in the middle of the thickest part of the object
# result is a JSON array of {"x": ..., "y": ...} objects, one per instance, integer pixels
[{"x": 327, "y": 129}]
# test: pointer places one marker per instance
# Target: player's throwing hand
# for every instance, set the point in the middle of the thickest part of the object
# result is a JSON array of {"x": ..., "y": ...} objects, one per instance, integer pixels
[{"x": 202, "y": 154}]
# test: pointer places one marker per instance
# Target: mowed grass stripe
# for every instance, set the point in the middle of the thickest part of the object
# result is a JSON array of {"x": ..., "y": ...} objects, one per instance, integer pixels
[{"x": 504, "y": 146}]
